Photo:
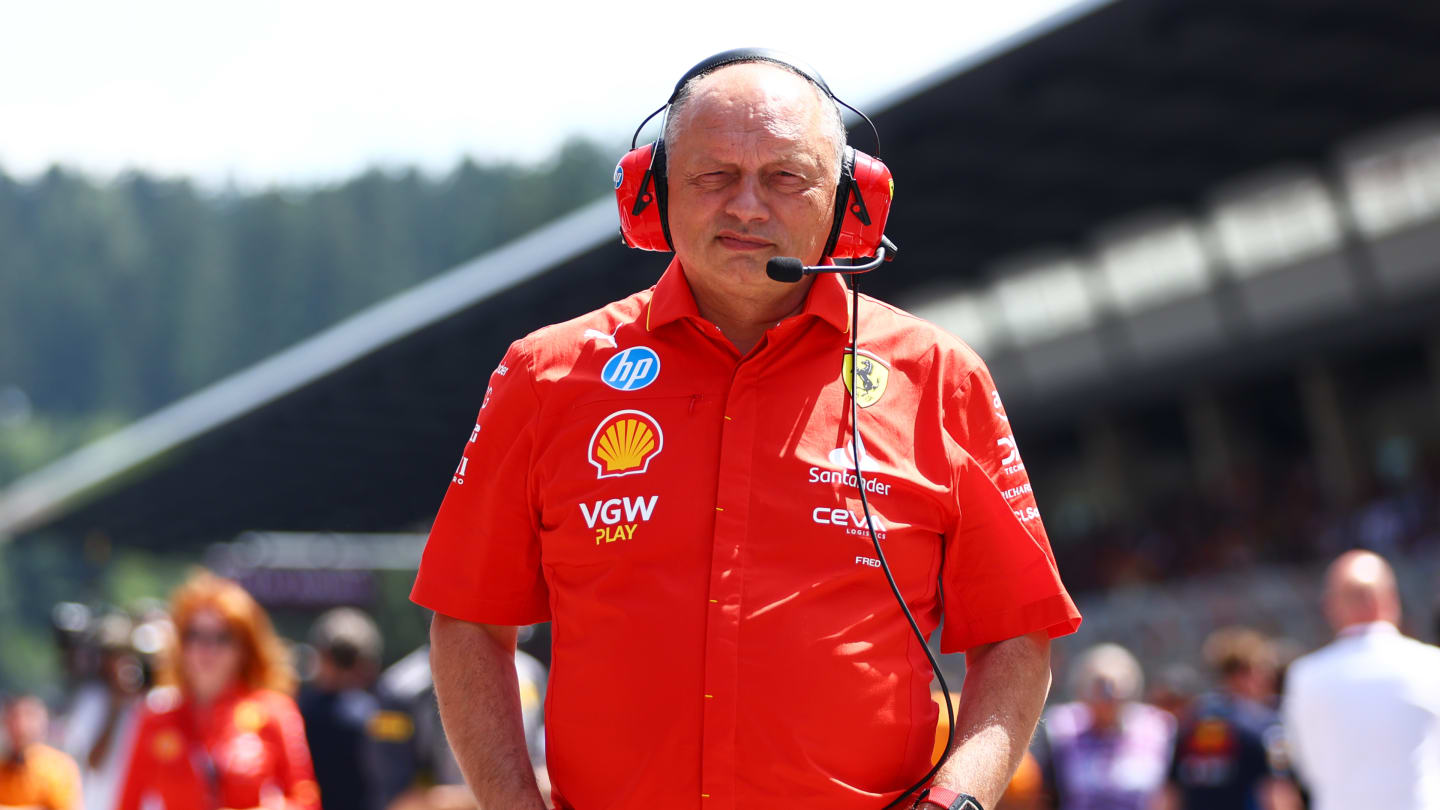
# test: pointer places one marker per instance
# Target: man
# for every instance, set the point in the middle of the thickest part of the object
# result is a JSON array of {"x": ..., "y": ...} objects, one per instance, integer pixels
[
  {"x": 723, "y": 637},
  {"x": 32, "y": 774},
  {"x": 1362, "y": 714},
  {"x": 1228, "y": 755},
  {"x": 1105, "y": 750},
  {"x": 339, "y": 710}
]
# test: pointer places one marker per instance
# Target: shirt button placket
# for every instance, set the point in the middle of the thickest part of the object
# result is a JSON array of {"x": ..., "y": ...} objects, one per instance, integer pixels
[{"x": 732, "y": 518}]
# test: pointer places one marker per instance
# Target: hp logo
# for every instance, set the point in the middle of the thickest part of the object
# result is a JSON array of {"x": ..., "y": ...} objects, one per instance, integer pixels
[{"x": 632, "y": 369}]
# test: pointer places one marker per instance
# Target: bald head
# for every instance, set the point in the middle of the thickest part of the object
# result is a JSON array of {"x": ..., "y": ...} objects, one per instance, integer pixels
[
  {"x": 772, "y": 95},
  {"x": 1360, "y": 589}
]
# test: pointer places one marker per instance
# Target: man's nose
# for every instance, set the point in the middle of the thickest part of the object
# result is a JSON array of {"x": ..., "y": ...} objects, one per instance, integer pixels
[{"x": 747, "y": 202}]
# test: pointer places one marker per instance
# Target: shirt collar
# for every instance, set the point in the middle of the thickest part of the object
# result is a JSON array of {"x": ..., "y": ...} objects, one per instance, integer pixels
[
  {"x": 828, "y": 300},
  {"x": 1368, "y": 629}
]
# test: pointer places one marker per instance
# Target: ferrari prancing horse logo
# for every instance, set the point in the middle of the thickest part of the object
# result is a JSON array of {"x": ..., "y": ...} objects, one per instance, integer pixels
[{"x": 871, "y": 375}]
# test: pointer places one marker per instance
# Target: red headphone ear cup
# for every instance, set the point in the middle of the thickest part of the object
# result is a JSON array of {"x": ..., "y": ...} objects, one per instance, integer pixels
[
  {"x": 867, "y": 208},
  {"x": 641, "y": 204}
]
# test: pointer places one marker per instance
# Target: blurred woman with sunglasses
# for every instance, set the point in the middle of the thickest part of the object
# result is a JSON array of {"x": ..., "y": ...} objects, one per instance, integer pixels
[{"x": 223, "y": 731}]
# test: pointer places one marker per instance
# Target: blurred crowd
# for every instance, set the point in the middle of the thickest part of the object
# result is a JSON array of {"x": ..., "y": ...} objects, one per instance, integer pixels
[
  {"x": 1188, "y": 742},
  {"x": 201, "y": 705},
  {"x": 1355, "y": 723},
  {"x": 1272, "y": 513}
]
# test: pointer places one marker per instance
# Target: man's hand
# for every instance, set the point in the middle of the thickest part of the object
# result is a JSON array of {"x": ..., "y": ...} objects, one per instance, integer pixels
[
  {"x": 473, "y": 666},
  {"x": 1005, "y": 688}
]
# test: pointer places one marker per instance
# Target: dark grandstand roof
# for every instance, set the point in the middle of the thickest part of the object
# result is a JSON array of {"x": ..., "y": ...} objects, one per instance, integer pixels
[
  {"x": 1140, "y": 104},
  {"x": 1107, "y": 110}
]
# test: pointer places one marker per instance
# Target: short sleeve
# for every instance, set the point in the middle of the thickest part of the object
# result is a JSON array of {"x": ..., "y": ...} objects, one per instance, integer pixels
[
  {"x": 482, "y": 560},
  {"x": 1255, "y": 757},
  {"x": 64, "y": 783},
  {"x": 285, "y": 734},
  {"x": 136, "y": 774},
  {"x": 999, "y": 577},
  {"x": 1291, "y": 712}
]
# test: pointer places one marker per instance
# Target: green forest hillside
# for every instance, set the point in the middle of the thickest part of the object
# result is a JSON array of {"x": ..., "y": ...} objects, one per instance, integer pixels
[{"x": 119, "y": 297}]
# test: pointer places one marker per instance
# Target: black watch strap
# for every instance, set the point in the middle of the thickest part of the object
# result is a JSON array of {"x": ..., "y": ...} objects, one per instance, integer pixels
[{"x": 962, "y": 801}]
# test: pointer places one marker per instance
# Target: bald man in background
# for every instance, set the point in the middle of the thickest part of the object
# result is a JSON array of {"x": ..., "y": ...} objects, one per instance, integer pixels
[{"x": 1362, "y": 714}]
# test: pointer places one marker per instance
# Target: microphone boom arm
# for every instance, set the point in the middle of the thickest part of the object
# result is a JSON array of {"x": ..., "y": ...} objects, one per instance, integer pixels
[{"x": 789, "y": 269}]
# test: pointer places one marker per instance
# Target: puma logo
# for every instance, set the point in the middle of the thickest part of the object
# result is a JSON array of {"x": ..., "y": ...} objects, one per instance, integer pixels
[{"x": 596, "y": 334}]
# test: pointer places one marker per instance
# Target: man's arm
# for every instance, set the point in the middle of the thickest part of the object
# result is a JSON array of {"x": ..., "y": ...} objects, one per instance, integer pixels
[
  {"x": 479, "y": 695},
  {"x": 1005, "y": 688},
  {"x": 1291, "y": 710}
]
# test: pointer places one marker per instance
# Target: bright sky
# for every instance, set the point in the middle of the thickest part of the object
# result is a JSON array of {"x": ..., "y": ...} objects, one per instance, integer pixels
[{"x": 268, "y": 92}]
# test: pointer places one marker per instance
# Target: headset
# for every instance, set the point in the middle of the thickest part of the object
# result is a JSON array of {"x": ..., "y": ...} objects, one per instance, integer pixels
[
  {"x": 862, "y": 208},
  {"x": 862, "y": 195}
]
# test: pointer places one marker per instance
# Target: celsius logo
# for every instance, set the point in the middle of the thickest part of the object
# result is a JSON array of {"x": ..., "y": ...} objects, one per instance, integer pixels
[
  {"x": 624, "y": 443},
  {"x": 619, "y": 175},
  {"x": 632, "y": 369}
]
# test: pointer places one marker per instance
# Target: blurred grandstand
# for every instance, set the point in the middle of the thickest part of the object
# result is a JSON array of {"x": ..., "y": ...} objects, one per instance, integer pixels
[{"x": 1198, "y": 241}]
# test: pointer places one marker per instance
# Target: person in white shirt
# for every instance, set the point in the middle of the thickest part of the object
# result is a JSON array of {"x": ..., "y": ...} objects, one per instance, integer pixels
[
  {"x": 101, "y": 723},
  {"x": 1362, "y": 714}
]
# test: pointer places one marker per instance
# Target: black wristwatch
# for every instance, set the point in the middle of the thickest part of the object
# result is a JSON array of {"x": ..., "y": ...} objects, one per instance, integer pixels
[{"x": 948, "y": 799}]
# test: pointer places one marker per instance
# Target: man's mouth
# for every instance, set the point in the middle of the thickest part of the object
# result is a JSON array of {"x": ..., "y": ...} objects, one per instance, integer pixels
[{"x": 735, "y": 241}]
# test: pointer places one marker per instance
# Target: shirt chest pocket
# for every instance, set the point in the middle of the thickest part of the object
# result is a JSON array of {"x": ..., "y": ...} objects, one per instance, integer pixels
[{"x": 628, "y": 481}]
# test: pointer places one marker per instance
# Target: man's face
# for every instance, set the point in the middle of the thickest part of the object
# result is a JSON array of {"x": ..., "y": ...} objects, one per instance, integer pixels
[{"x": 752, "y": 175}]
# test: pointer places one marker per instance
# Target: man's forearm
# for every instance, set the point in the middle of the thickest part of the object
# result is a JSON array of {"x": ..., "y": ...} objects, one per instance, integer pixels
[
  {"x": 479, "y": 696},
  {"x": 1005, "y": 688}
]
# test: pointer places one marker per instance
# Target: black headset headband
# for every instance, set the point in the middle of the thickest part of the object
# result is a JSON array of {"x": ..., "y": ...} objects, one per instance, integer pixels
[
  {"x": 738, "y": 55},
  {"x": 735, "y": 55},
  {"x": 655, "y": 175}
]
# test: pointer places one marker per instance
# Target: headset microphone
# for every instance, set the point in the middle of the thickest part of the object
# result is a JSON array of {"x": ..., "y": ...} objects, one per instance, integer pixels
[
  {"x": 790, "y": 269},
  {"x": 786, "y": 268}
]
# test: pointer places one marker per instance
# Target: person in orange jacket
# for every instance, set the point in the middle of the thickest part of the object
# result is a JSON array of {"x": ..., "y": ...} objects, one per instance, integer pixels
[
  {"x": 222, "y": 731},
  {"x": 32, "y": 774}
]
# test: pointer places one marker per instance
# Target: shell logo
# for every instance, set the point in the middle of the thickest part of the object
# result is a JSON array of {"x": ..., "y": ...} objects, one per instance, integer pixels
[
  {"x": 624, "y": 443},
  {"x": 167, "y": 745},
  {"x": 249, "y": 716}
]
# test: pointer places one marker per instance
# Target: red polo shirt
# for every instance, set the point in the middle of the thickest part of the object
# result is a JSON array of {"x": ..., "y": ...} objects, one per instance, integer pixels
[{"x": 688, "y": 518}]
